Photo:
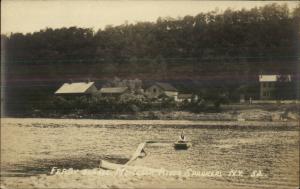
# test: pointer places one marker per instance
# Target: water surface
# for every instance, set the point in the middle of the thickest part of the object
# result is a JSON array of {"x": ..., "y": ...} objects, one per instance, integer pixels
[{"x": 30, "y": 149}]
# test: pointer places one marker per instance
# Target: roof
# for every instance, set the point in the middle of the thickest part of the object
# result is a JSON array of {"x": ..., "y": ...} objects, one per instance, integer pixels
[
  {"x": 113, "y": 90},
  {"x": 166, "y": 86},
  {"x": 74, "y": 88},
  {"x": 267, "y": 78},
  {"x": 184, "y": 96},
  {"x": 273, "y": 78}
]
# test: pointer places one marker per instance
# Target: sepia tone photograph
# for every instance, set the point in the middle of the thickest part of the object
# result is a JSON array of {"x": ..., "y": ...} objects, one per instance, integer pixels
[{"x": 150, "y": 94}]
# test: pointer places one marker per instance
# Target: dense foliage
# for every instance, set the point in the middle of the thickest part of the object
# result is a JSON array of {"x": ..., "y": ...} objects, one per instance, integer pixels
[
  {"x": 127, "y": 103},
  {"x": 259, "y": 33}
]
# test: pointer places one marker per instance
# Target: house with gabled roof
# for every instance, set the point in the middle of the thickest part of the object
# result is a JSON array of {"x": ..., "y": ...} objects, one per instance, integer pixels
[
  {"x": 157, "y": 89},
  {"x": 77, "y": 89}
]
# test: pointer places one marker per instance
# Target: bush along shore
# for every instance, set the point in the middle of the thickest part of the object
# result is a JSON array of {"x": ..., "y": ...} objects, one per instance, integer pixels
[{"x": 133, "y": 107}]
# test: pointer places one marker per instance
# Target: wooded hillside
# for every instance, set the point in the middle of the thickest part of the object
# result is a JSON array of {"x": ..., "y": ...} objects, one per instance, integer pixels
[{"x": 224, "y": 50}]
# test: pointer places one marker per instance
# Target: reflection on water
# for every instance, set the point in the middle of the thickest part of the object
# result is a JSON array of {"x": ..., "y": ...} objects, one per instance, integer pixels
[{"x": 34, "y": 149}]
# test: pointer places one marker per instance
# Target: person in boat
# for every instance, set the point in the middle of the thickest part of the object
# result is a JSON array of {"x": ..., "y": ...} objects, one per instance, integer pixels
[
  {"x": 182, "y": 137},
  {"x": 143, "y": 153}
]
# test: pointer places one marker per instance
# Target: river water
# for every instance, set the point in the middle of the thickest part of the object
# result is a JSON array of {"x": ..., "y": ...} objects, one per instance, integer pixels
[{"x": 31, "y": 149}]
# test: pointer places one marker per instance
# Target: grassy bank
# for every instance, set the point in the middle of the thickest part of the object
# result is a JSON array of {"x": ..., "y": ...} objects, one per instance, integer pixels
[{"x": 232, "y": 112}]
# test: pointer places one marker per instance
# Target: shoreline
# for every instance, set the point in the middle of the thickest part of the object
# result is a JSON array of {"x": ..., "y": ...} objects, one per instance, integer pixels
[
  {"x": 54, "y": 122},
  {"x": 267, "y": 113}
]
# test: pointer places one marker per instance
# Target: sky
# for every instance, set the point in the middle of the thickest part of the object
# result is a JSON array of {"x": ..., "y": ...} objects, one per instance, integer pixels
[{"x": 33, "y": 15}]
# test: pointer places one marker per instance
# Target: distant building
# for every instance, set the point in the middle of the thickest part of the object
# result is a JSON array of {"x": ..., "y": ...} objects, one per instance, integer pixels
[
  {"x": 159, "y": 88},
  {"x": 268, "y": 84},
  {"x": 77, "y": 89},
  {"x": 185, "y": 97},
  {"x": 113, "y": 91}
]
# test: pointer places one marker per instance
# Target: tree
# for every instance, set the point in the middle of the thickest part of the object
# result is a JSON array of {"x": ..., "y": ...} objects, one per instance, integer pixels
[{"x": 285, "y": 88}]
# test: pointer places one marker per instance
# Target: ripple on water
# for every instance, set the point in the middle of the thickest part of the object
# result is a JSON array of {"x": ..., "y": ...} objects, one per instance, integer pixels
[{"x": 34, "y": 150}]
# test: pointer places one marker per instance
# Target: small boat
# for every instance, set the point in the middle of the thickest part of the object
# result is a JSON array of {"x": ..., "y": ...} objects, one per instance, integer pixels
[{"x": 182, "y": 145}]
